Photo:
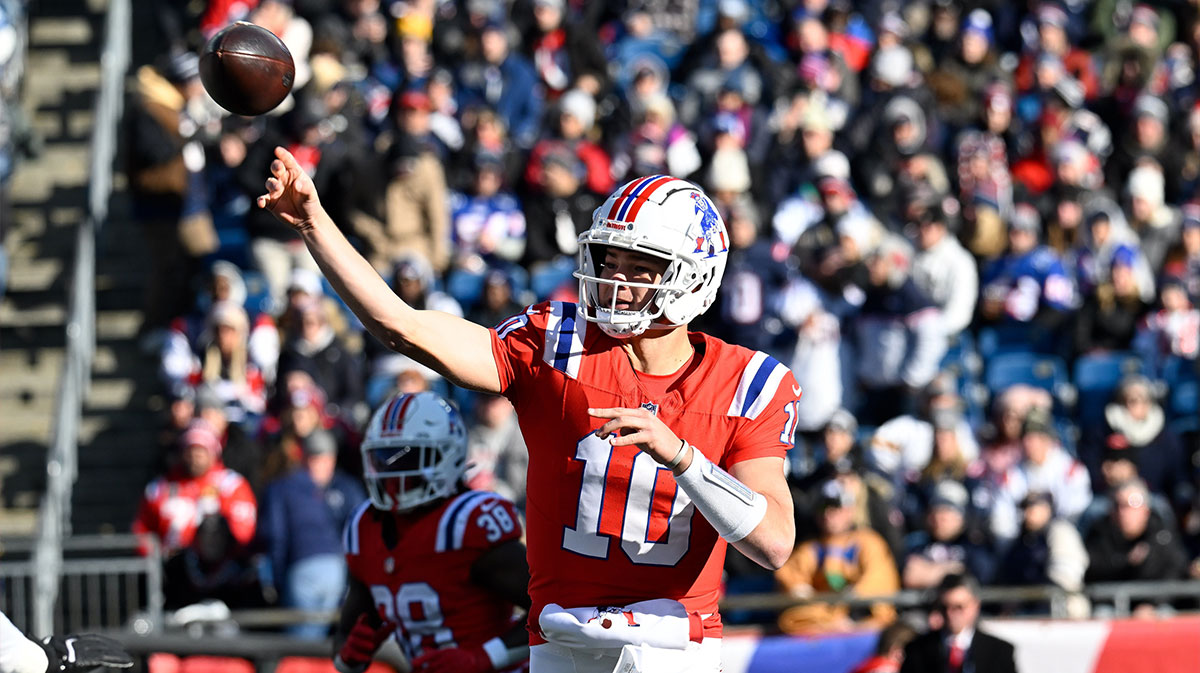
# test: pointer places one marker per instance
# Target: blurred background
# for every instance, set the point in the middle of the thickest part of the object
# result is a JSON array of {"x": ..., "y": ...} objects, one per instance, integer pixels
[{"x": 971, "y": 229}]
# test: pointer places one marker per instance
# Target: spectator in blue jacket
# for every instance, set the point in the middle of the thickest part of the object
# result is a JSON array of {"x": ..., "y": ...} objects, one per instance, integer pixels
[
  {"x": 1028, "y": 285},
  {"x": 505, "y": 82},
  {"x": 303, "y": 514}
]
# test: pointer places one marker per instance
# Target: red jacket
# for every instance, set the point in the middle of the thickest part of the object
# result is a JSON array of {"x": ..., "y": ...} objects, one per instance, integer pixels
[{"x": 173, "y": 507}]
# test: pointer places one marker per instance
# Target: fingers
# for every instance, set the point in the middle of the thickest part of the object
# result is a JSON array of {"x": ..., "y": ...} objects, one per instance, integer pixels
[
  {"x": 611, "y": 427},
  {"x": 622, "y": 419},
  {"x": 289, "y": 161},
  {"x": 617, "y": 411},
  {"x": 640, "y": 437}
]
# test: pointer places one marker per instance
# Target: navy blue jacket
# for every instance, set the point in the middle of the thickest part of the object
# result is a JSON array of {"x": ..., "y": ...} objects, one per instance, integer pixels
[{"x": 298, "y": 520}]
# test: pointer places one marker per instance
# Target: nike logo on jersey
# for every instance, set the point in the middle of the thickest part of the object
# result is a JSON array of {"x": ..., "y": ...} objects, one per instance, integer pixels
[{"x": 796, "y": 391}]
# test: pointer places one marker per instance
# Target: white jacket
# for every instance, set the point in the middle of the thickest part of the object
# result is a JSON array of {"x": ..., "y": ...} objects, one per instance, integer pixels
[
  {"x": 1065, "y": 478},
  {"x": 947, "y": 273}
]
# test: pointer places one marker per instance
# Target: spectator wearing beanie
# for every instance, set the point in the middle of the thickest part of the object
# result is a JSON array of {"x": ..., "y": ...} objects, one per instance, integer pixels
[
  {"x": 1107, "y": 232},
  {"x": 843, "y": 558},
  {"x": 960, "y": 80},
  {"x": 1155, "y": 223},
  {"x": 487, "y": 226},
  {"x": 1167, "y": 338},
  {"x": 1110, "y": 315},
  {"x": 199, "y": 485},
  {"x": 564, "y": 53},
  {"x": 947, "y": 545}
]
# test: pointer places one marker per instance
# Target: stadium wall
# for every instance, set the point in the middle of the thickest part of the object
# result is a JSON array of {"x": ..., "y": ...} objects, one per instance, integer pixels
[{"x": 1092, "y": 646}]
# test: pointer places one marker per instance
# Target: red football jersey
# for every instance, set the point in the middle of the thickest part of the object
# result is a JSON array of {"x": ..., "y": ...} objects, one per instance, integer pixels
[
  {"x": 422, "y": 580},
  {"x": 607, "y": 525},
  {"x": 173, "y": 506}
]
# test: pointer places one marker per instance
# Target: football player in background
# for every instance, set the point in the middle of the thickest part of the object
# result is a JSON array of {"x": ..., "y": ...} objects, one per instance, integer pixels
[
  {"x": 650, "y": 447},
  {"x": 432, "y": 563}
]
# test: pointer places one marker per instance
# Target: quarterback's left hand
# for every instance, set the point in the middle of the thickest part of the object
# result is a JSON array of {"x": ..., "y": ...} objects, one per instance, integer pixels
[
  {"x": 67, "y": 654},
  {"x": 456, "y": 660},
  {"x": 641, "y": 427}
]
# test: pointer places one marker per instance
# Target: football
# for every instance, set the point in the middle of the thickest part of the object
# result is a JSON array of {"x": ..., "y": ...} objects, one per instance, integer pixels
[{"x": 247, "y": 69}]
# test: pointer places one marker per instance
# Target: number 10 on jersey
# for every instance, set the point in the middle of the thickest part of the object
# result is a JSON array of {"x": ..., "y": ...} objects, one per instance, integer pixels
[{"x": 652, "y": 518}]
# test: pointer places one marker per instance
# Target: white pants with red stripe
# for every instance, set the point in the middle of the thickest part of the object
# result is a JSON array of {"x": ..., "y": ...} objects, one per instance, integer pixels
[{"x": 702, "y": 657}]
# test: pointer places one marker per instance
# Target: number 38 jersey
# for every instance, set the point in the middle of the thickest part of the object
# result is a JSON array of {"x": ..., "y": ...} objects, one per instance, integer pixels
[
  {"x": 418, "y": 566},
  {"x": 607, "y": 525}
]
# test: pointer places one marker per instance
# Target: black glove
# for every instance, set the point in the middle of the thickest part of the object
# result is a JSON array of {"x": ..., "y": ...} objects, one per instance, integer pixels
[{"x": 71, "y": 654}]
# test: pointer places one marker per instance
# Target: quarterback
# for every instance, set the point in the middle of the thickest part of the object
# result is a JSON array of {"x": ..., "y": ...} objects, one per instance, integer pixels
[
  {"x": 432, "y": 563},
  {"x": 651, "y": 447}
]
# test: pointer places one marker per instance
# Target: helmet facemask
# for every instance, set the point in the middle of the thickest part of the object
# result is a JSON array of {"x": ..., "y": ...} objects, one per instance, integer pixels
[
  {"x": 678, "y": 280},
  {"x": 402, "y": 477}
]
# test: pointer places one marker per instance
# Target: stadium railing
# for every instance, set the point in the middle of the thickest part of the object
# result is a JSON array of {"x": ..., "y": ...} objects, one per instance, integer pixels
[
  {"x": 54, "y": 521},
  {"x": 102, "y": 583}
]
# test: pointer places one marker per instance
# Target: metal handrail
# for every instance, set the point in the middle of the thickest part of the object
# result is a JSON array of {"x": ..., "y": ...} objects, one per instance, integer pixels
[{"x": 62, "y": 463}]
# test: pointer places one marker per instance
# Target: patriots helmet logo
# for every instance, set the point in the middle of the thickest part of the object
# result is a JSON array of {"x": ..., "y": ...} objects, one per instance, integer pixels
[{"x": 712, "y": 237}]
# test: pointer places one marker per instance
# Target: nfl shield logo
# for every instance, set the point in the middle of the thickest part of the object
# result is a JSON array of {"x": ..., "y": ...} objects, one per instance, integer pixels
[{"x": 651, "y": 407}]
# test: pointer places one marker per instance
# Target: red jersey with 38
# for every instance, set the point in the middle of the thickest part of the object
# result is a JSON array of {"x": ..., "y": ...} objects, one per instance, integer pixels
[{"x": 417, "y": 566}]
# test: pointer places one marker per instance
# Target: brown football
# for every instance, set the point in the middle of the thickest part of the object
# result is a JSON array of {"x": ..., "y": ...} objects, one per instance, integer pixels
[{"x": 246, "y": 69}]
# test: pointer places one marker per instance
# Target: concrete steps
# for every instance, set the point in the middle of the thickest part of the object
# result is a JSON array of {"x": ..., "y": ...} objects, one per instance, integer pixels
[{"x": 49, "y": 199}]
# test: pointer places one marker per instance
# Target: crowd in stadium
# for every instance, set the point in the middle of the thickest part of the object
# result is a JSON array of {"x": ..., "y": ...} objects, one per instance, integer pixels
[{"x": 972, "y": 230}]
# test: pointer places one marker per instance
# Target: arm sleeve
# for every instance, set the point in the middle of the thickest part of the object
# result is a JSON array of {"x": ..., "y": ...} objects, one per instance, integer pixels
[
  {"x": 19, "y": 654},
  {"x": 772, "y": 433}
]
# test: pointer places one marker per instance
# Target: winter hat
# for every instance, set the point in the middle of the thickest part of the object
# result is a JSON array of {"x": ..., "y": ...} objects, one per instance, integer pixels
[
  {"x": 893, "y": 66},
  {"x": 730, "y": 170},
  {"x": 580, "y": 105},
  {"x": 1147, "y": 182}
]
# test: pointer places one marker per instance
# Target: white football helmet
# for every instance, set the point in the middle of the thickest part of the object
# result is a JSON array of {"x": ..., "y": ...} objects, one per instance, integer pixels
[
  {"x": 668, "y": 218},
  {"x": 415, "y": 451}
]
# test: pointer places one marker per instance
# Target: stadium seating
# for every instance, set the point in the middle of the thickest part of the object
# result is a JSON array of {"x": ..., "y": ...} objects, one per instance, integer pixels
[{"x": 1095, "y": 376}]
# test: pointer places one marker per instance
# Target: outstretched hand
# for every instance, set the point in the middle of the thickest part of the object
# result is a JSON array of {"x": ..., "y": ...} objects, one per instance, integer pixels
[{"x": 291, "y": 196}]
